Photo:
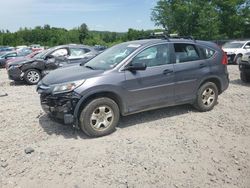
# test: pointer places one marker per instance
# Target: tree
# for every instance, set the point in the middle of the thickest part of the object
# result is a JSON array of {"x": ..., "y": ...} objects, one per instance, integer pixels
[
  {"x": 83, "y": 32},
  {"x": 204, "y": 19}
]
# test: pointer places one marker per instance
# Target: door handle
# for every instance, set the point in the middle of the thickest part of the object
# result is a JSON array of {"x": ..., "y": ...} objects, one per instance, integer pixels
[
  {"x": 167, "y": 71},
  {"x": 202, "y": 65}
]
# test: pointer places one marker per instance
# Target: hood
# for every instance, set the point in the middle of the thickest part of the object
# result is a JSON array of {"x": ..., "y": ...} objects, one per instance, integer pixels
[
  {"x": 230, "y": 50},
  {"x": 21, "y": 62},
  {"x": 68, "y": 74}
]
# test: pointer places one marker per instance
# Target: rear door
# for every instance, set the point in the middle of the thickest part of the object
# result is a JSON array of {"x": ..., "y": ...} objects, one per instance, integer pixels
[
  {"x": 154, "y": 86},
  {"x": 190, "y": 67}
]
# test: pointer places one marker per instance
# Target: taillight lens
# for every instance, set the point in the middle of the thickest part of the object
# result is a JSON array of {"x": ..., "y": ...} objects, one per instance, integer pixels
[{"x": 224, "y": 59}]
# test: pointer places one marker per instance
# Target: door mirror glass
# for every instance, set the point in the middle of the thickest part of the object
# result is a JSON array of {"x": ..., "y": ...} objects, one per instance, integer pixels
[{"x": 136, "y": 67}]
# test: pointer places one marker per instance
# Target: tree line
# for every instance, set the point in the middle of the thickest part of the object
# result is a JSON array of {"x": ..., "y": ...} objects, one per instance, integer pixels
[
  {"x": 52, "y": 36},
  {"x": 207, "y": 20}
]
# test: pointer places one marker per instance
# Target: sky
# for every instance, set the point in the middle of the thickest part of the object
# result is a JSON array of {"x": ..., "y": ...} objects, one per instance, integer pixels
[{"x": 101, "y": 15}]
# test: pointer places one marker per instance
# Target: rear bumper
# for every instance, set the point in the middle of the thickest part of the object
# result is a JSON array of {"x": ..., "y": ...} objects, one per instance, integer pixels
[{"x": 225, "y": 83}]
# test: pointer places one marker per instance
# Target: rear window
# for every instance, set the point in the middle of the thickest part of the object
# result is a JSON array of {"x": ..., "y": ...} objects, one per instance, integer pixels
[
  {"x": 185, "y": 52},
  {"x": 207, "y": 52}
]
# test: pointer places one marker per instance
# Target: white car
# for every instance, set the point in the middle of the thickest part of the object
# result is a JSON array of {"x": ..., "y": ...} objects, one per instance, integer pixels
[
  {"x": 246, "y": 57},
  {"x": 235, "y": 50}
]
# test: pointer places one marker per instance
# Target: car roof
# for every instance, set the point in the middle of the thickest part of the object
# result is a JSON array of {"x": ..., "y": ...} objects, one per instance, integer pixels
[{"x": 147, "y": 42}]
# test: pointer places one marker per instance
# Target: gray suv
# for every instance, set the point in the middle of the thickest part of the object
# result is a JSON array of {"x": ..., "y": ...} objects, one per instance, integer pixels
[{"x": 132, "y": 77}]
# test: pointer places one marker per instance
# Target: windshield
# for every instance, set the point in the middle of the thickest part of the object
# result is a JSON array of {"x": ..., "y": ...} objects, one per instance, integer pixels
[
  {"x": 233, "y": 45},
  {"x": 112, "y": 56},
  {"x": 41, "y": 55}
]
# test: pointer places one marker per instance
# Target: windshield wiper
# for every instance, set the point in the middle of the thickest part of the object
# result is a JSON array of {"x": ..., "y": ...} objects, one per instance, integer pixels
[{"x": 87, "y": 66}]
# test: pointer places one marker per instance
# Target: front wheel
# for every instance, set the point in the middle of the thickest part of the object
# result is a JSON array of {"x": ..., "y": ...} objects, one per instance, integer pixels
[
  {"x": 32, "y": 76},
  {"x": 206, "y": 97},
  {"x": 99, "y": 117}
]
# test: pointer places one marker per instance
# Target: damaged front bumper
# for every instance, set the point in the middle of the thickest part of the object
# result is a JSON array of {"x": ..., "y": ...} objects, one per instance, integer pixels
[{"x": 61, "y": 106}]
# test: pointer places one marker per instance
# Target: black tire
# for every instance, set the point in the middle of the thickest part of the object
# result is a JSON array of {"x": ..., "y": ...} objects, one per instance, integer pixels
[
  {"x": 244, "y": 77},
  {"x": 206, "y": 98},
  {"x": 238, "y": 59},
  {"x": 95, "y": 114},
  {"x": 32, "y": 76}
]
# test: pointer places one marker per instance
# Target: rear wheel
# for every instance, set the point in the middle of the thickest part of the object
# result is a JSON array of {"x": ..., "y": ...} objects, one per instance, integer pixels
[
  {"x": 99, "y": 117},
  {"x": 32, "y": 76},
  {"x": 206, "y": 97}
]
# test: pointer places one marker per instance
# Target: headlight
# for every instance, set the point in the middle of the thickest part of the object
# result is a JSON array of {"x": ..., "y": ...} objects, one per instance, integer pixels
[
  {"x": 16, "y": 66},
  {"x": 67, "y": 87}
]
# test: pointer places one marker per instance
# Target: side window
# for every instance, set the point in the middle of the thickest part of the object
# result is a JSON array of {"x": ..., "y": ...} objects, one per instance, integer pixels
[
  {"x": 207, "y": 52},
  {"x": 11, "y": 55},
  {"x": 77, "y": 52},
  {"x": 247, "y": 46},
  {"x": 185, "y": 52},
  {"x": 154, "y": 56},
  {"x": 60, "y": 52}
]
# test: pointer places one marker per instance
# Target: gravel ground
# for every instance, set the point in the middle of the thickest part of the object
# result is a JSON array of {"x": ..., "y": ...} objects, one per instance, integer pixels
[{"x": 171, "y": 147}]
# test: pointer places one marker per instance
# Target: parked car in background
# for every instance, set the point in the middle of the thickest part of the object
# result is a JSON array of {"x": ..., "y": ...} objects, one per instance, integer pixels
[
  {"x": 132, "y": 77},
  {"x": 6, "y": 49},
  {"x": 244, "y": 68},
  {"x": 36, "y": 47},
  {"x": 235, "y": 50},
  {"x": 34, "y": 69},
  {"x": 22, "y": 58},
  {"x": 4, "y": 57},
  {"x": 100, "y": 48}
]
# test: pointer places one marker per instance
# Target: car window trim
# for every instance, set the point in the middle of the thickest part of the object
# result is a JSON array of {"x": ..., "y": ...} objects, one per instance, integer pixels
[{"x": 133, "y": 55}]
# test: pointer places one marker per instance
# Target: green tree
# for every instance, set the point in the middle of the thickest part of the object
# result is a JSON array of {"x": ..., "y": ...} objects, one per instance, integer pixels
[
  {"x": 204, "y": 19},
  {"x": 83, "y": 32}
]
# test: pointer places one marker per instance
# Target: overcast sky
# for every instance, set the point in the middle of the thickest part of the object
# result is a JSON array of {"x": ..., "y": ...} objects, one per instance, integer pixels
[{"x": 111, "y": 15}]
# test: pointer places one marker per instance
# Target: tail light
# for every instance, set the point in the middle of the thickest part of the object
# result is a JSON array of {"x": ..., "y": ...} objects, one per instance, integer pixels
[{"x": 224, "y": 59}]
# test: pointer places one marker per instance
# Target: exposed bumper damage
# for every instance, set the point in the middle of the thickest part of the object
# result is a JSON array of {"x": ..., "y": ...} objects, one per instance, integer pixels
[{"x": 60, "y": 106}]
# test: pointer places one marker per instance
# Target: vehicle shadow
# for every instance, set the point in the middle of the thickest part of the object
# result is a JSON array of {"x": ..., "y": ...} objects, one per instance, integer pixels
[
  {"x": 239, "y": 82},
  {"x": 18, "y": 83},
  {"x": 53, "y": 127},
  {"x": 153, "y": 115}
]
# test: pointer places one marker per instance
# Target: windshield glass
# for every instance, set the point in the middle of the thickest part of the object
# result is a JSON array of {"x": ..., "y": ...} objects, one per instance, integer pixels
[
  {"x": 233, "y": 45},
  {"x": 41, "y": 55},
  {"x": 112, "y": 56}
]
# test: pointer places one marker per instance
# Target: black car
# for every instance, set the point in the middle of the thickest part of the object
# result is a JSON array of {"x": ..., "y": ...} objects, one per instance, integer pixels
[
  {"x": 244, "y": 67},
  {"x": 32, "y": 70},
  {"x": 132, "y": 77}
]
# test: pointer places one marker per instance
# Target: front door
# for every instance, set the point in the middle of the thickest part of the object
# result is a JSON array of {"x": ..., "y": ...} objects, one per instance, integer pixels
[{"x": 154, "y": 86}]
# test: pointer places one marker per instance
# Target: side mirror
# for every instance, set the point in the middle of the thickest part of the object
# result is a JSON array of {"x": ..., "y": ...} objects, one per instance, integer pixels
[
  {"x": 247, "y": 47},
  {"x": 50, "y": 56},
  {"x": 136, "y": 67}
]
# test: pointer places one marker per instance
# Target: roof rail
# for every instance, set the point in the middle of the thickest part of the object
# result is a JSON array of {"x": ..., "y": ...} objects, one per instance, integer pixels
[
  {"x": 162, "y": 35},
  {"x": 175, "y": 36}
]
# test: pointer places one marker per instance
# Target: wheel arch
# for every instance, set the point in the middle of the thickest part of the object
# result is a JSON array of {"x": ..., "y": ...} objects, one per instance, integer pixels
[
  {"x": 214, "y": 80},
  {"x": 109, "y": 94}
]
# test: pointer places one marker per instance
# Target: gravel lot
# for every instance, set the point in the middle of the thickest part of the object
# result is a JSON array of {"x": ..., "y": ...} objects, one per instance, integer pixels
[{"x": 171, "y": 147}]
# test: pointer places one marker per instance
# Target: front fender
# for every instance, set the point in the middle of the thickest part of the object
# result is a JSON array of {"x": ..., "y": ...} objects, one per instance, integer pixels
[
  {"x": 101, "y": 90},
  {"x": 33, "y": 65}
]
